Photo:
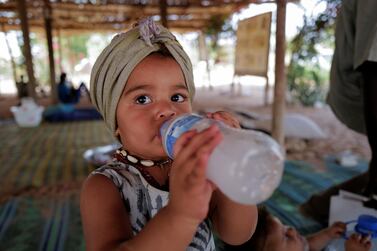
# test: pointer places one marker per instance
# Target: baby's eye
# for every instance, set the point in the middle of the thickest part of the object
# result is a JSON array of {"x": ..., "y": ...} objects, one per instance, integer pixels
[
  {"x": 178, "y": 98},
  {"x": 143, "y": 100}
]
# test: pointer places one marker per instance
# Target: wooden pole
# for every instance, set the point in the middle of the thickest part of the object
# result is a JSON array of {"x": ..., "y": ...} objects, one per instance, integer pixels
[
  {"x": 22, "y": 10},
  {"x": 266, "y": 91},
  {"x": 47, "y": 13},
  {"x": 164, "y": 13},
  {"x": 203, "y": 51},
  {"x": 13, "y": 64},
  {"x": 280, "y": 78}
]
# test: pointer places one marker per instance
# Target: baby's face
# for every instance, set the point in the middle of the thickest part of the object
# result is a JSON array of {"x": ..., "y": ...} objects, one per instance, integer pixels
[
  {"x": 283, "y": 238},
  {"x": 155, "y": 92}
]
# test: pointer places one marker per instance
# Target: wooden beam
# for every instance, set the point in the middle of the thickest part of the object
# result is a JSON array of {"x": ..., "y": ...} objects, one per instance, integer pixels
[
  {"x": 280, "y": 77},
  {"x": 47, "y": 13},
  {"x": 21, "y": 6},
  {"x": 196, "y": 24}
]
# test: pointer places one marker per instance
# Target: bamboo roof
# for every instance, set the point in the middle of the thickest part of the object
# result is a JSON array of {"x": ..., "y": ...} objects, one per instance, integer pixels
[{"x": 116, "y": 15}]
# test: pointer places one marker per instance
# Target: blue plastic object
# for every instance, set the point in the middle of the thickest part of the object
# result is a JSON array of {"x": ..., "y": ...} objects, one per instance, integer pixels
[{"x": 365, "y": 225}]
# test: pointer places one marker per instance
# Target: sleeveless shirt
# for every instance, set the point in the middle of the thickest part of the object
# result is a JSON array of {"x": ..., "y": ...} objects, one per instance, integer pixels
[{"x": 142, "y": 202}]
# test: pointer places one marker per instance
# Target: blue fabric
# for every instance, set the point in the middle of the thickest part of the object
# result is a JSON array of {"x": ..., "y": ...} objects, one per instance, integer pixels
[
  {"x": 67, "y": 112},
  {"x": 67, "y": 94}
]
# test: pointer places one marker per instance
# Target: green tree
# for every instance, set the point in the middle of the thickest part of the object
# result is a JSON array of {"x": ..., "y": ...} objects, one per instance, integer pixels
[
  {"x": 307, "y": 80},
  {"x": 219, "y": 26},
  {"x": 74, "y": 48}
]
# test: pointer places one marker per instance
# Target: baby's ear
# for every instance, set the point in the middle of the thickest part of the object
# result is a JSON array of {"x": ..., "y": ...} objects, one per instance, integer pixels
[{"x": 117, "y": 135}]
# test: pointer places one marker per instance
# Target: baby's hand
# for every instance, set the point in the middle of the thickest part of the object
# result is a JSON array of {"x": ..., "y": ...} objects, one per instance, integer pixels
[
  {"x": 190, "y": 191},
  {"x": 358, "y": 243},
  {"x": 336, "y": 230},
  {"x": 225, "y": 117}
]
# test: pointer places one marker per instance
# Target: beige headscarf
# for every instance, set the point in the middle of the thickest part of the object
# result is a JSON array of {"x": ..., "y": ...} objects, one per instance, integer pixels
[{"x": 116, "y": 62}]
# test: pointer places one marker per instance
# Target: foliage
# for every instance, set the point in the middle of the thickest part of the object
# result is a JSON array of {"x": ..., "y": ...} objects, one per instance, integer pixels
[
  {"x": 306, "y": 79},
  {"x": 219, "y": 26},
  {"x": 78, "y": 45},
  {"x": 306, "y": 83},
  {"x": 4, "y": 68},
  {"x": 74, "y": 48}
]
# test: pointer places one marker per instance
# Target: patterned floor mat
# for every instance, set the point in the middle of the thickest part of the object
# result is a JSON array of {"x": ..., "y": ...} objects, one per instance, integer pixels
[
  {"x": 45, "y": 224},
  {"x": 300, "y": 181},
  {"x": 48, "y": 154},
  {"x": 53, "y": 223}
]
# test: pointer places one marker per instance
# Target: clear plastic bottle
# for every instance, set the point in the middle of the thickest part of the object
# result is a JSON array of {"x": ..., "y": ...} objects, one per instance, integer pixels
[{"x": 246, "y": 166}]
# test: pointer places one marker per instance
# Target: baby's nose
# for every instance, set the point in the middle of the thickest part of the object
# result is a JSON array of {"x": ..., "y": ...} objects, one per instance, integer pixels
[
  {"x": 165, "y": 111},
  {"x": 166, "y": 114}
]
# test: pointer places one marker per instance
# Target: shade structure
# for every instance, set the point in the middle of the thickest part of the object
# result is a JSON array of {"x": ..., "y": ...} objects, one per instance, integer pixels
[{"x": 117, "y": 15}]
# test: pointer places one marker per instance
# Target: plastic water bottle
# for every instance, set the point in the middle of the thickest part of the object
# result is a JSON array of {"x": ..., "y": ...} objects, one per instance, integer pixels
[
  {"x": 364, "y": 225},
  {"x": 246, "y": 166}
]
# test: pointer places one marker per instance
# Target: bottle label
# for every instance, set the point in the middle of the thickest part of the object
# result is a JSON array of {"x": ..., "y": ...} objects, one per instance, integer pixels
[{"x": 176, "y": 129}]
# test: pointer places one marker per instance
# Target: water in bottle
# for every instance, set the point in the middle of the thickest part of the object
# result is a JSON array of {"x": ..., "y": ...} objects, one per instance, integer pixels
[{"x": 246, "y": 166}]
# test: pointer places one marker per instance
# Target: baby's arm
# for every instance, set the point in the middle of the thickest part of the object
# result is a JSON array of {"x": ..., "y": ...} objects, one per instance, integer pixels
[
  {"x": 235, "y": 223},
  {"x": 107, "y": 227},
  {"x": 358, "y": 243},
  {"x": 319, "y": 240},
  {"x": 106, "y": 221}
]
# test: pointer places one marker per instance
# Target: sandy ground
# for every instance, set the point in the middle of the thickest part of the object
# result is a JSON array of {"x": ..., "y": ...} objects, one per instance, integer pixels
[{"x": 339, "y": 137}]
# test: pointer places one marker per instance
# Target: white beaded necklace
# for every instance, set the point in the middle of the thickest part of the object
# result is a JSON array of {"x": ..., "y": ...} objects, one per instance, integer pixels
[{"x": 145, "y": 163}]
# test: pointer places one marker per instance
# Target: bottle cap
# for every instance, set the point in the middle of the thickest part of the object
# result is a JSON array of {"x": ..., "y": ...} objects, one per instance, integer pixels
[
  {"x": 367, "y": 225},
  {"x": 171, "y": 130}
]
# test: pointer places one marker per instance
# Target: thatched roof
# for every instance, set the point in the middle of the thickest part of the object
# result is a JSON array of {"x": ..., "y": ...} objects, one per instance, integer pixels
[{"x": 117, "y": 15}]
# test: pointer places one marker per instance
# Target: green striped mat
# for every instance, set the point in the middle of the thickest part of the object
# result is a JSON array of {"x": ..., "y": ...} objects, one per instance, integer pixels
[
  {"x": 44, "y": 224},
  {"x": 47, "y": 155}
]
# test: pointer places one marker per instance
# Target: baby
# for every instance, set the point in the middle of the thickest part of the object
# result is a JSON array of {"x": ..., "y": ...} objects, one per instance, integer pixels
[
  {"x": 143, "y": 200},
  {"x": 272, "y": 235}
]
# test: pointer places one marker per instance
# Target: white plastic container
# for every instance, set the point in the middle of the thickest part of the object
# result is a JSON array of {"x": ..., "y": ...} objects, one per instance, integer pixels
[
  {"x": 247, "y": 165},
  {"x": 29, "y": 114}
]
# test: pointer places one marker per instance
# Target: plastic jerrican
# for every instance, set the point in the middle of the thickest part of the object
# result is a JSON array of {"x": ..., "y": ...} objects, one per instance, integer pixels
[{"x": 246, "y": 166}]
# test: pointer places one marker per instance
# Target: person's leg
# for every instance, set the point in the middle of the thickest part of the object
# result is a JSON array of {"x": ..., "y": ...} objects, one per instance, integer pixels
[{"x": 369, "y": 70}]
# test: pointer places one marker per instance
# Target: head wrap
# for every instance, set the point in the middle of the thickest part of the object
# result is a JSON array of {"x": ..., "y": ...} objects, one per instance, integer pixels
[{"x": 116, "y": 62}]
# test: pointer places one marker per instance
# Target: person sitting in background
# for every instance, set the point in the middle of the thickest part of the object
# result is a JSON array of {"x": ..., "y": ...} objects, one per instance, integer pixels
[
  {"x": 22, "y": 88},
  {"x": 66, "y": 110},
  {"x": 271, "y": 235},
  {"x": 67, "y": 94},
  {"x": 83, "y": 89}
]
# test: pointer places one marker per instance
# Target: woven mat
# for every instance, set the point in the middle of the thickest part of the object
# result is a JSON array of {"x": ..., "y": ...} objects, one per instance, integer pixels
[
  {"x": 45, "y": 224},
  {"x": 300, "y": 181},
  {"x": 49, "y": 159},
  {"x": 47, "y": 155}
]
